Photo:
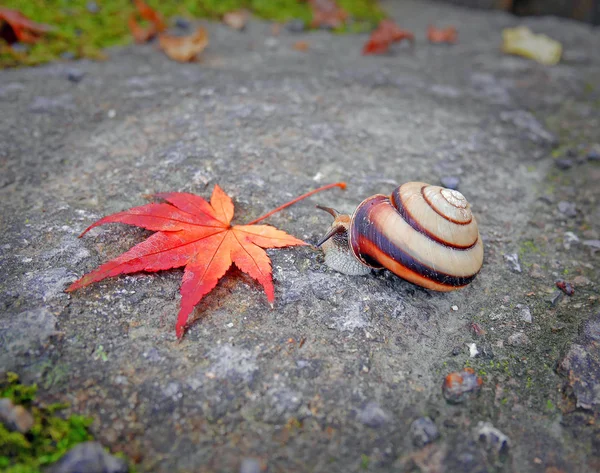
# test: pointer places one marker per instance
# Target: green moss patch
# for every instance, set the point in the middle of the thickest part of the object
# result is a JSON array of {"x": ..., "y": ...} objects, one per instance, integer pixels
[
  {"x": 50, "y": 437},
  {"x": 84, "y": 29}
]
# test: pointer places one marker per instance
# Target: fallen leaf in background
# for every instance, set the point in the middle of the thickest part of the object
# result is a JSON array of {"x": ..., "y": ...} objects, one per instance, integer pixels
[
  {"x": 150, "y": 15},
  {"x": 386, "y": 33},
  {"x": 236, "y": 19},
  {"x": 327, "y": 14},
  {"x": 139, "y": 33},
  {"x": 197, "y": 235},
  {"x": 521, "y": 41},
  {"x": 16, "y": 27},
  {"x": 442, "y": 35},
  {"x": 301, "y": 46},
  {"x": 144, "y": 34},
  {"x": 184, "y": 48}
]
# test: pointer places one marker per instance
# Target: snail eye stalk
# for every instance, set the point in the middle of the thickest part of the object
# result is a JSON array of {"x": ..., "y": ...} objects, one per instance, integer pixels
[{"x": 332, "y": 232}]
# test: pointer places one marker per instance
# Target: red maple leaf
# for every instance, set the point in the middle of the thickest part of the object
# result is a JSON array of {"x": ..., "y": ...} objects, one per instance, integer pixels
[
  {"x": 442, "y": 35},
  {"x": 14, "y": 26},
  {"x": 198, "y": 235},
  {"x": 157, "y": 24},
  {"x": 386, "y": 33}
]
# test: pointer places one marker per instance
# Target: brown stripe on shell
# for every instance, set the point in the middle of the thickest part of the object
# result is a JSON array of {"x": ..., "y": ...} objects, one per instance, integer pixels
[
  {"x": 440, "y": 213},
  {"x": 407, "y": 216},
  {"x": 370, "y": 244}
]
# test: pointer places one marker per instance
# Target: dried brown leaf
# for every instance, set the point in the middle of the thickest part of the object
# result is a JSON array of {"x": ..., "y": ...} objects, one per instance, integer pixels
[{"x": 184, "y": 48}]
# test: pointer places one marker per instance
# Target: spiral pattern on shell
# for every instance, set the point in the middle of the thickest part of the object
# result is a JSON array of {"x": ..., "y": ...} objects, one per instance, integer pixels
[{"x": 422, "y": 233}]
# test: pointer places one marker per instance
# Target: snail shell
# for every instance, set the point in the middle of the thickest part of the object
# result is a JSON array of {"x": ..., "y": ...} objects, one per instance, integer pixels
[{"x": 422, "y": 233}]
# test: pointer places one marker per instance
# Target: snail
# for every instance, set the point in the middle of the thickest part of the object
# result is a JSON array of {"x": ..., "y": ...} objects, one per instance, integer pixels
[{"x": 422, "y": 233}]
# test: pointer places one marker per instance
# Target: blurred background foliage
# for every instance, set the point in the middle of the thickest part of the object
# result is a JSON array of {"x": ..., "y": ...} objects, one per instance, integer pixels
[{"x": 84, "y": 28}]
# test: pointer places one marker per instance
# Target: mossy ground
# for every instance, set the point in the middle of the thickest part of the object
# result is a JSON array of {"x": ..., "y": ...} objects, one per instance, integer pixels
[
  {"x": 50, "y": 437},
  {"x": 84, "y": 29}
]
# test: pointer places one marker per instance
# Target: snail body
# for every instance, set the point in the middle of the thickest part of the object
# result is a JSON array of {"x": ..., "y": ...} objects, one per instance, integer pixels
[{"x": 422, "y": 233}]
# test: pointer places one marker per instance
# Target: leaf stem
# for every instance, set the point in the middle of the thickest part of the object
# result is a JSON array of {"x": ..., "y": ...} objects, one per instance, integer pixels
[{"x": 341, "y": 185}]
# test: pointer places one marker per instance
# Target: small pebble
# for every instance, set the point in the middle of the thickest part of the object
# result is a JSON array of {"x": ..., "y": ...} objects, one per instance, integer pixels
[
  {"x": 92, "y": 7},
  {"x": 563, "y": 163},
  {"x": 295, "y": 26},
  {"x": 567, "y": 208},
  {"x": 473, "y": 351},
  {"x": 271, "y": 43},
  {"x": 89, "y": 457},
  {"x": 569, "y": 238},
  {"x": 423, "y": 431},
  {"x": 565, "y": 287},
  {"x": 513, "y": 262},
  {"x": 15, "y": 418},
  {"x": 525, "y": 313},
  {"x": 518, "y": 339},
  {"x": 492, "y": 438},
  {"x": 456, "y": 351},
  {"x": 450, "y": 182},
  {"x": 372, "y": 415},
  {"x": 461, "y": 385},
  {"x": 454, "y": 308},
  {"x": 536, "y": 271},
  {"x": 250, "y": 465},
  {"x": 111, "y": 113},
  {"x": 75, "y": 75},
  {"x": 555, "y": 298},
  {"x": 593, "y": 155},
  {"x": 67, "y": 56},
  {"x": 182, "y": 23},
  {"x": 20, "y": 47}
]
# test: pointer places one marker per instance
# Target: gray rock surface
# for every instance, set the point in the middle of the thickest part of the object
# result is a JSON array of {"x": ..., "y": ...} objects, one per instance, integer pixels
[
  {"x": 89, "y": 457},
  {"x": 284, "y": 385}
]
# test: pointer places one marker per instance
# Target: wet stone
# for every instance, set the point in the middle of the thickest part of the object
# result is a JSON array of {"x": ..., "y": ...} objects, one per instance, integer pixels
[
  {"x": 460, "y": 386},
  {"x": 89, "y": 457},
  {"x": 25, "y": 332},
  {"x": 15, "y": 418},
  {"x": 372, "y": 415},
  {"x": 423, "y": 431},
  {"x": 450, "y": 182}
]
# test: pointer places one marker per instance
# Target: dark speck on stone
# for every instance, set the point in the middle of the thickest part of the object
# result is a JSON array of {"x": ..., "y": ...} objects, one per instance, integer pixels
[
  {"x": 456, "y": 351},
  {"x": 372, "y": 415},
  {"x": 295, "y": 26},
  {"x": 451, "y": 182},
  {"x": 250, "y": 465},
  {"x": 423, "y": 431},
  {"x": 564, "y": 163},
  {"x": 75, "y": 75},
  {"x": 89, "y": 457}
]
